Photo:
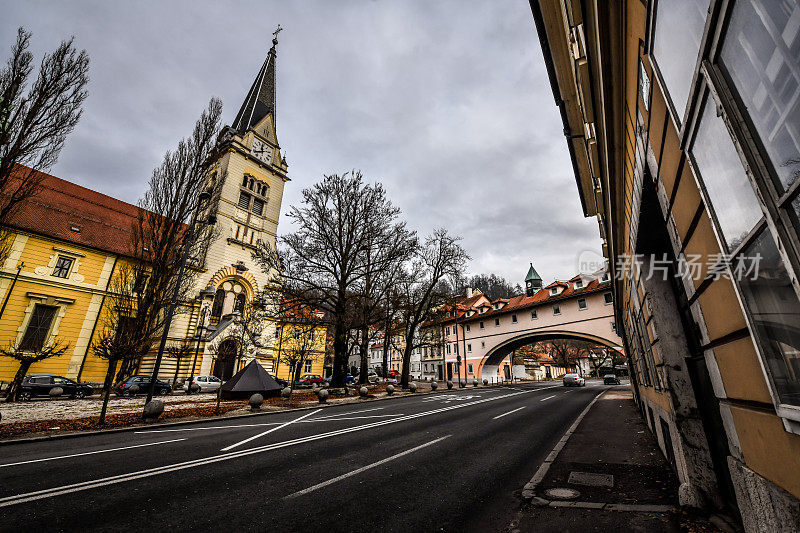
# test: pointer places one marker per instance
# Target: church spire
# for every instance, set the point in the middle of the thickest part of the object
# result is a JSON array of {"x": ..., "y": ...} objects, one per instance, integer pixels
[{"x": 260, "y": 99}]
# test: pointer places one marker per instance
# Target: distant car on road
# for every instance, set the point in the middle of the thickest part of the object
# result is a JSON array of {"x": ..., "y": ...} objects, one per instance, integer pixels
[
  {"x": 40, "y": 385},
  {"x": 574, "y": 380},
  {"x": 162, "y": 388},
  {"x": 206, "y": 383},
  {"x": 610, "y": 379}
]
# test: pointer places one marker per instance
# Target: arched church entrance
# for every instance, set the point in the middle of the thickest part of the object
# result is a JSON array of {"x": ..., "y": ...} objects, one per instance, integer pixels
[{"x": 225, "y": 363}]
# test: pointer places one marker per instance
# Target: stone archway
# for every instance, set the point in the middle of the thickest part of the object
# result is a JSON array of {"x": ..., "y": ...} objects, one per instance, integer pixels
[
  {"x": 490, "y": 363},
  {"x": 225, "y": 364}
]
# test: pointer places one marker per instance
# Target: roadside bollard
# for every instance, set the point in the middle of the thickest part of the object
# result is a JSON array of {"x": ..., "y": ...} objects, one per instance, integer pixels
[
  {"x": 286, "y": 393},
  {"x": 323, "y": 395},
  {"x": 363, "y": 391},
  {"x": 474, "y": 382},
  {"x": 255, "y": 402},
  {"x": 389, "y": 389},
  {"x": 449, "y": 384},
  {"x": 412, "y": 387},
  {"x": 55, "y": 392},
  {"x": 462, "y": 384},
  {"x": 153, "y": 409},
  {"x": 434, "y": 385},
  {"x": 485, "y": 382}
]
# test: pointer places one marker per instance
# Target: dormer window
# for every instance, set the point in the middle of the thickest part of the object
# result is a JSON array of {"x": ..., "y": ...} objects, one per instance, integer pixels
[
  {"x": 578, "y": 284},
  {"x": 605, "y": 278},
  {"x": 553, "y": 291}
]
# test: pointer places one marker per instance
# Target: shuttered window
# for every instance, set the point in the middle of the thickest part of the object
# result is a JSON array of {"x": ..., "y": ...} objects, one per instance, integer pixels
[
  {"x": 244, "y": 200},
  {"x": 258, "y": 206}
]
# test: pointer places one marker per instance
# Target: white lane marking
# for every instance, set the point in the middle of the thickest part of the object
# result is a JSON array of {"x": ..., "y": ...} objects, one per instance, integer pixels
[
  {"x": 362, "y": 469},
  {"x": 122, "y": 478},
  {"x": 352, "y": 412},
  {"x": 90, "y": 453},
  {"x": 508, "y": 413},
  {"x": 254, "y": 437},
  {"x": 234, "y": 426},
  {"x": 543, "y": 399}
]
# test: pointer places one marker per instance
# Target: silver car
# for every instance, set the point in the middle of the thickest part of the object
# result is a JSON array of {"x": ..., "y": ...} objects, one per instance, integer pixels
[
  {"x": 206, "y": 383},
  {"x": 574, "y": 380}
]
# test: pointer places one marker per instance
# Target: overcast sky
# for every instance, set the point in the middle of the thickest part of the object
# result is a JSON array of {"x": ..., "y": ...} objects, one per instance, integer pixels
[{"x": 446, "y": 103}]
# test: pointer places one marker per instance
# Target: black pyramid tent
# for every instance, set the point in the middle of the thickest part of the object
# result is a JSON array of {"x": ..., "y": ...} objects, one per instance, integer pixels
[{"x": 250, "y": 380}]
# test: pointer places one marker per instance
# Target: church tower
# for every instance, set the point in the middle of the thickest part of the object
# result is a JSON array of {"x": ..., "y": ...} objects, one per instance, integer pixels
[
  {"x": 253, "y": 175},
  {"x": 533, "y": 282}
]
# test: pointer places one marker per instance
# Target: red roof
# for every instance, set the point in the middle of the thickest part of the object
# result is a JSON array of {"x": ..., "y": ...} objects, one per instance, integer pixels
[{"x": 66, "y": 211}]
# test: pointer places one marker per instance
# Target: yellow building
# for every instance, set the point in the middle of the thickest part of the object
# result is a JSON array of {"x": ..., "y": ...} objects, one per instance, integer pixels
[
  {"x": 68, "y": 241},
  {"x": 681, "y": 119}
]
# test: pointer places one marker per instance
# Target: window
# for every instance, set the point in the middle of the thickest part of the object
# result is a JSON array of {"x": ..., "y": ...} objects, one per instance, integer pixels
[
  {"x": 258, "y": 206},
  {"x": 448, "y": 348},
  {"x": 38, "y": 328},
  {"x": 496, "y": 322},
  {"x": 606, "y": 278},
  {"x": 759, "y": 58},
  {"x": 679, "y": 29},
  {"x": 613, "y": 326},
  {"x": 469, "y": 368},
  {"x": 553, "y": 291},
  {"x": 296, "y": 334},
  {"x": 277, "y": 332},
  {"x": 467, "y": 328},
  {"x": 308, "y": 366},
  {"x": 774, "y": 308},
  {"x": 447, "y": 331},
  {"x": 579, "y": 284},
  {"x": 63, "y": 264},
  {"x": 732, "y": 197},
  {"x": 239, "y": 304},
  {"x": 533, "y": 314},
  {"x": 582, "y": 304},
  {"x": 556, "y": 309},
  {"x": 608, "y": 298},
  {"x": 513, "y": 319},
  {"x": 469, "y": 348},
  {"x": 219, "y": 300},
  {"x": 482, "y": 310},
  {"x": 480, "y": 324},
  {"x": 244, "y": 200}
]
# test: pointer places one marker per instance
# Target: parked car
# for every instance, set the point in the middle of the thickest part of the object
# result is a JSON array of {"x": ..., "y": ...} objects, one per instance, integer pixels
[
  {"x": 280, "y": 381},
  {"x": 206, "y": 383},
  {"x": 392, "y": 373},
  {"x": 162, "y": 388},
  {"x": 372, "y": 377},
  {"x": 610, "y": 379},
  {"x": 348, "y": 379},
  {"x": 574, "y": 380},
  {"x": 40, "y": 385}
]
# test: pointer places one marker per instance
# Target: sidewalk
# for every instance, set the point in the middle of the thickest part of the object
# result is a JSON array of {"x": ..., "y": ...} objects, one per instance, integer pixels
[{"x": 610, "y": 475}]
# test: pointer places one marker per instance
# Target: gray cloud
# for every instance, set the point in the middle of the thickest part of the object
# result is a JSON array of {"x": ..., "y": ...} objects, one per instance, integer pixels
[{"x": 447, "y": 103}]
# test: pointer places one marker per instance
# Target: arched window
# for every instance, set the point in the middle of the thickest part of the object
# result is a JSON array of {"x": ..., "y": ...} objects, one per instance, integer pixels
[
  {"x": 239, "y": 305},
  {"x": 219, "y": 299}
]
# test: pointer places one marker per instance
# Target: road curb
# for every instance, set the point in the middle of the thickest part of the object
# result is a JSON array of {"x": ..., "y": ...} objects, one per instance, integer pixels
[
  {"x": 76, "y": 434},
  {"x": 530, "y": 486}
]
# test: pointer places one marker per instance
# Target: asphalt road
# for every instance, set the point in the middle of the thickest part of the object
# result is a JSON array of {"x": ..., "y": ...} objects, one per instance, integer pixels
[{"x": 441, "y": 462}]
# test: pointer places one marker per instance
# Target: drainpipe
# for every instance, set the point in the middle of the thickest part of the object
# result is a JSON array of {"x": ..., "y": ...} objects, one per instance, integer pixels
[{"x": 14, "y": 282}]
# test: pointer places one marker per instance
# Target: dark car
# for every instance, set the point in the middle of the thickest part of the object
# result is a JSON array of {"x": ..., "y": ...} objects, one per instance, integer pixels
[
  {"x": 610, "y": 379},
  {"x": 348, "y": 379},
  {"x": 41, "y": 384},
  {"x": 161, "y": 388},
  {"x": 282, "y": 382}
]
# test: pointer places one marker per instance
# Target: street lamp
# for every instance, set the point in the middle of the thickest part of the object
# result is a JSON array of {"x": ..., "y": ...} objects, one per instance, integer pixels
[{"x": 202, "y": 198}]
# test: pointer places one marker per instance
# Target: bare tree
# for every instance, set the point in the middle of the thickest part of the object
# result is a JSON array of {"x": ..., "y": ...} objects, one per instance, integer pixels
[
  {"x": 324, "y": 263},
  {"x": 441, "y": 257},
  {"x": 27, "y": 354},
  {"x": 162, "y": 230},
  {"x": 121, "y": 340},
  {"x": 178, "y": 352},
  {"x": 35, "y": 118}
]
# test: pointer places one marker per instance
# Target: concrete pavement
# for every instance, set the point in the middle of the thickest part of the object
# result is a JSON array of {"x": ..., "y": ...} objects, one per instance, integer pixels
[{"x": 449, "y": 461}]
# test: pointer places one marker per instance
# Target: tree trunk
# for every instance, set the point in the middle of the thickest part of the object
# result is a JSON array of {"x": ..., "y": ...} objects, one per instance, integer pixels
[
  {"x": 407, "y": 356},
  {"x": 364, "y": 350},
  {"x": 112, "y": 367},
  {"x": 339, "y": 347},
  {"x": 13, "y": 389},
  {"x": 177, "y": 368}
]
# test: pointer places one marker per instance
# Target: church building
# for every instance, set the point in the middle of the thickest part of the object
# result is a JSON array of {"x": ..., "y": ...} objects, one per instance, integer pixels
[{"x": 67, "y": 242}]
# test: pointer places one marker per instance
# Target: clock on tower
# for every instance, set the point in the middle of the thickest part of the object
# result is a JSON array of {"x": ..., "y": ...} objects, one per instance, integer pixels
[{"x": 262, "y": 151}]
